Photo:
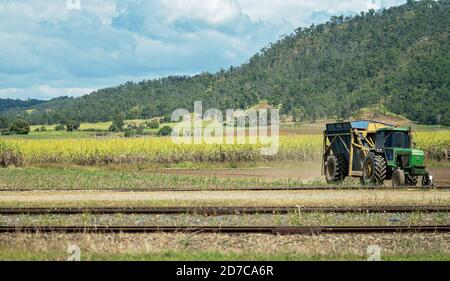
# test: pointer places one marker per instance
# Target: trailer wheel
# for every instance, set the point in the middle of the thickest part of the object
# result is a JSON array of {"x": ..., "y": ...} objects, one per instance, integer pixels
[
  {"x": 411, "y": 180},
  {"x": 374, "y": 170},
  {"x": 398, "y": 178},
  {"x": 335, "y": 168}
]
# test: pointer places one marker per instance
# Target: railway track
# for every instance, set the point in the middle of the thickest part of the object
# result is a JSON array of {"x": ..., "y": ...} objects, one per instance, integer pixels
[
  {"x": 306, "y": 188},
  {"x": 221, "y": 210},
  {"x": 227, "y": 229}
]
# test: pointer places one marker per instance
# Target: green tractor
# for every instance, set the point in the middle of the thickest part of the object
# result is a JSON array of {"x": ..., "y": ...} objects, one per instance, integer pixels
[{"x": 374, "y": 152}]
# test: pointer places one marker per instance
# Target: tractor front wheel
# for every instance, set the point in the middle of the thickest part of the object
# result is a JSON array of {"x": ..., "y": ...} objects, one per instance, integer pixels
[
  {"x": 335, "y": 168},
  {"x": 398, "y": 178},
  {"x": 427, "y": 181},
  {"x": 374, "y": 170}
]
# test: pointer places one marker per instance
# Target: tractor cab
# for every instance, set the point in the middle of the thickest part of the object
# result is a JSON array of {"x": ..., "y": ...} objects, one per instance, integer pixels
[
  {"x": 393, "y": 138},
  {"x": 396, "y": 145}
]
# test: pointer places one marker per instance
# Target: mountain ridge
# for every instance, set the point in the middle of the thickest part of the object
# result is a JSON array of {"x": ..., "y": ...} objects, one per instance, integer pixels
[
  {"x": 6, "y": 104},
  {"x": 397, "y": 56}
]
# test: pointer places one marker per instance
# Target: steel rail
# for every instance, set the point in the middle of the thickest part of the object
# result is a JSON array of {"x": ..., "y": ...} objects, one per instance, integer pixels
[
  {"x": 283, "y": 230},
  {"x": 304, "y": 188},
  {"x": 220, "y": 210}
]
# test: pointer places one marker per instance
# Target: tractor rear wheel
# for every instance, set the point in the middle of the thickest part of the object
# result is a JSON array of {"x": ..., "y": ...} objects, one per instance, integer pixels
[
  {"x": 335, "y": 168},
  {"x": 398, "y": 178},
  {"x": 411, "y": 180},
  {"x": 374, "y": 170}
]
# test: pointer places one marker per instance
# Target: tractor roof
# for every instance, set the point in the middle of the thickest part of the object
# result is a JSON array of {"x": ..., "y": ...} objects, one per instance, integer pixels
[{"x": 365, "y": 124}]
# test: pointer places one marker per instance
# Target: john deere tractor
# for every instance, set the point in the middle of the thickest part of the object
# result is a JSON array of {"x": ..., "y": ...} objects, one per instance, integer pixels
[{"x": 374, "y": 152}]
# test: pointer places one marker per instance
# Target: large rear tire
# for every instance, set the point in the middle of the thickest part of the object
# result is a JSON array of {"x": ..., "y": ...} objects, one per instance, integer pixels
[
  {"x": 335, "y": 168},
  {"x": 374, "y": 170}
]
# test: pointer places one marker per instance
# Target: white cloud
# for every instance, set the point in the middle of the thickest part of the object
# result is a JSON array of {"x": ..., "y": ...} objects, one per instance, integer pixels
[
  {"x": 48, "y": 50},
  {"x": 211, "y": 11},
  {"x": 43, "y": 92},
  {"x": 297, "y": 12}
]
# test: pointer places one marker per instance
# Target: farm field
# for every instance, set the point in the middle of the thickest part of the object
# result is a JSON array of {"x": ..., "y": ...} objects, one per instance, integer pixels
[
  {"x": 95, "y": 168},
  {"x": 125, "y": 178},
  {"x": 225, "y": 131},
  {"x": 94, "y": 151}
]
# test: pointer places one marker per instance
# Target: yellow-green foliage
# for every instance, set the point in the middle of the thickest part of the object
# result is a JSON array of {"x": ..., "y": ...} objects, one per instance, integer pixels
[
  {"x": 163, "y": 150},
  {"x": 435, "y": 144},
  {"x": 155, "y": 150},
  {"x": 10, "y": 155},
  {"x": 100, "y": 126},
  {"x": 301, "y": 147}
]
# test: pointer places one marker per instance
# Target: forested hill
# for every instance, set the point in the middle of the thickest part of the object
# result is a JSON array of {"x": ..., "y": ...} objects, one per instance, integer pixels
[
  {"x": 399, "y": 57},
  {"x": 6, "y": 104}
]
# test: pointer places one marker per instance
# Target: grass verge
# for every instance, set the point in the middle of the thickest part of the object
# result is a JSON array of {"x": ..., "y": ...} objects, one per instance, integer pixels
[
  {"x": 292, "y": 219},
  {"x": 224, "y": 247}
]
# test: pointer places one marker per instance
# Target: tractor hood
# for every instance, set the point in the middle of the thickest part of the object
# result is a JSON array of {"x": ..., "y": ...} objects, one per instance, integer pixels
[{"x": 416, "y": 157}]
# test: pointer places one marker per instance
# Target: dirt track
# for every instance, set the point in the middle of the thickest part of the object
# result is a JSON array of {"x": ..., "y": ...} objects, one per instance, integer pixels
[
  {"x": 236, "y": 198},
  {"x": 307, "y": 171}
]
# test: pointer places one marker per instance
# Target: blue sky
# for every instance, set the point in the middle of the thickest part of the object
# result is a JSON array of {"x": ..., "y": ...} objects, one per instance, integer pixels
[{"x": 51, "y": 48}]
